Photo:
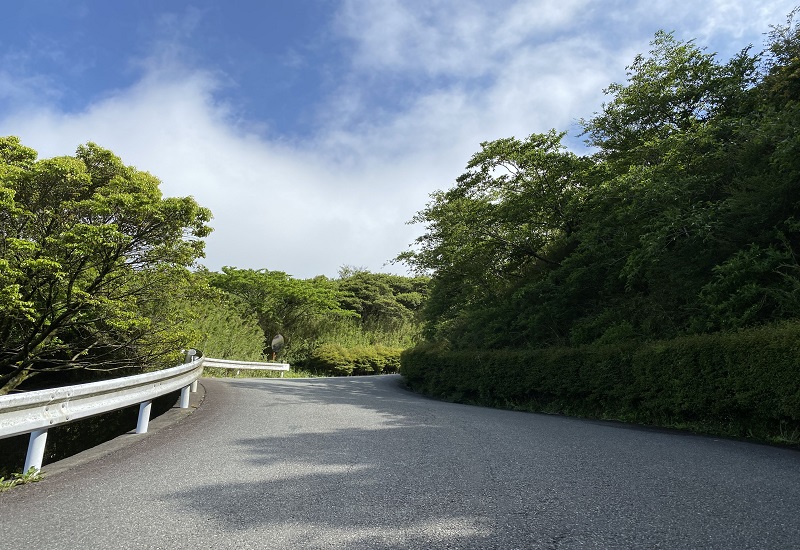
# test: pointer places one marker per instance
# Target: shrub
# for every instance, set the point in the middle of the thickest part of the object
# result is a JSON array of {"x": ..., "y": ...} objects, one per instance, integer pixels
[
  {"x": 744, "y": 383},
  {"x": 336, "y": 360}
]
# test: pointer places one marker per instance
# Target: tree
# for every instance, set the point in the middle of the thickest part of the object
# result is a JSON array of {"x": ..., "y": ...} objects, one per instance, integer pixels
[
  {"x": 758, "y": 280},
  {"x": 218, "y": 323},
  {"x": 675, "y": 89},
  {"x": 508, "y": 216},
  {"x": 381, "y": 300},
  {"x": 685, "y": 219},
  {"x": 388, "y": 309},
  {"x": 669, "y": 140},
  {"x": 85, "y": 242},
  {"x": 282, "y": 304}
]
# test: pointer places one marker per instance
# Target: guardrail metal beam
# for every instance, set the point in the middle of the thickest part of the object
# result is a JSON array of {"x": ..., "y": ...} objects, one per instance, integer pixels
[
  {"x": 37, "y": 411},
  {"x": 244, "y": 365}
]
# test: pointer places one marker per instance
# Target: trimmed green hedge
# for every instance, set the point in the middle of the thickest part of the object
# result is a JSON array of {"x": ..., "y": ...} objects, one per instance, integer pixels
[
  {"x": 744, "y": 384},
  {"x": 336, "y": 360}
]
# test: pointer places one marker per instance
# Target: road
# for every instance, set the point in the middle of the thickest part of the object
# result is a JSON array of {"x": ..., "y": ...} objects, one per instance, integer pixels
[{"x": 363, "y": 463}]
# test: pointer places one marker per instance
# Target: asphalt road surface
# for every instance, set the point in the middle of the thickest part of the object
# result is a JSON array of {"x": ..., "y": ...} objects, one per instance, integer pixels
[{"x": 363, "y": 463}]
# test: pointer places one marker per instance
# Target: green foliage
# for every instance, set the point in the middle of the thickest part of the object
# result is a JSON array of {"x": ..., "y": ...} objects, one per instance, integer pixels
[
  {"x": 359, "y": 310},
  {"x": 215, "y": 372},
  {"x": 227, "y": 332},
  {"x": 214, "y": 321},
  {"x": 671, "y": 93},
  {"x": 630, "y": 283},
  {"x": 684, "y": 220},
  {"x": 742, "y": 384},
  {"x": 335, "y": 360},
  {"x": 31, "y": 476},
  {"x": 85, "y": 243},
  {"x": 381, "y": 301},
  {"x": 753, "y": 286},
  {"x": 295, "y": 308},
  {"x": 506, "y": 219},
  {"x": 388, "y": 309}
]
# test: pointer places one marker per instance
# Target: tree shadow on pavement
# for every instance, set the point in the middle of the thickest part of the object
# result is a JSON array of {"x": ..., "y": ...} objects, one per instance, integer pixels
[
  {"x": 363, "y": 463},
  {"x": 373, "y": 465}
]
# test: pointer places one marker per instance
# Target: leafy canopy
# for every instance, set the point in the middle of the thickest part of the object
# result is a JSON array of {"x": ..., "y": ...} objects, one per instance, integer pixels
[
  {"x": 85, "y": 242},
  {"x": 685, "y": 218}
]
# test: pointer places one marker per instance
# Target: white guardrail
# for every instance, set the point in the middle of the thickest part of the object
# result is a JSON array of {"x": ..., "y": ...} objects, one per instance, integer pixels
[
  {"x": 210, "y": 363},
  {"x": 36, "y": 411}
]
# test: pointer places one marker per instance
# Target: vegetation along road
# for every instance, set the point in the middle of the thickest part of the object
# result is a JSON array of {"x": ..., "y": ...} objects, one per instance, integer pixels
[{"x": 362, "y": 463}]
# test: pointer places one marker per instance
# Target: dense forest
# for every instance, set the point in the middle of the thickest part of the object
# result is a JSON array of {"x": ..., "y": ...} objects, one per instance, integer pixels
[
  {"x": 684, "y": 218},
  {"x": 654, "y": 278}
]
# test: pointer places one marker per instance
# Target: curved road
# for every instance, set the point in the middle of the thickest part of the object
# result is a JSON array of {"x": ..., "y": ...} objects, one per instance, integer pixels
[{"x": 362, "y": 463}]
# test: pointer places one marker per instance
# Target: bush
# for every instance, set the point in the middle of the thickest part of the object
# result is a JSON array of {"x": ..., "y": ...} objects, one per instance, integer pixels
[
  {"x": 744, "y": 383},
  {"x": 336, "y": 360}
]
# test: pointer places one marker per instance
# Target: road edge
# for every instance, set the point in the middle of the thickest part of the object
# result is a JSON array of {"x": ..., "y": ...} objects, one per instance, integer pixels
[{"x": 170, "y": 418}]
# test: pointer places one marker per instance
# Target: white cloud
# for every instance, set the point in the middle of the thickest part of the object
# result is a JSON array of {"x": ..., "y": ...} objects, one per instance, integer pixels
[
  {"x": 21, "y": 90},
  {"x": 343, "y": 197},
  {"x": 274, "y": 206},
  {"x": 464, "y": 38}
]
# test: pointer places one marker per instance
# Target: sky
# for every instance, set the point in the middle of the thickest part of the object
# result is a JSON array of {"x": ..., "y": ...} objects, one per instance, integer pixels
[{"x": 314, "y": 130}]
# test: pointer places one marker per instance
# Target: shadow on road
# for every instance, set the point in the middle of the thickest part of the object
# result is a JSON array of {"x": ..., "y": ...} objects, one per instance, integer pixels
[
  {"x": 363, "y": 463},
  {"x": 366, "y": 463}
]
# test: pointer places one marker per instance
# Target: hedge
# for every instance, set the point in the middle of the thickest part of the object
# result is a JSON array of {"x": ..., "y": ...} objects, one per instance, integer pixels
[
  {"x": 744, "y": 384},
  {"x": 336, "y": 360}
]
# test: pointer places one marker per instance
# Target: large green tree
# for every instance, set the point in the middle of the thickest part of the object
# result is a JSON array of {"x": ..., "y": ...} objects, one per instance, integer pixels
[
  {"x": 508, "y": 217},
  {"x": 683, "y": 219},
  {"x": 758, "y": 279},
  {"x": 702, "y": 161},
  {"x": 85, "y": 244},
  {"x": 664, "y": 142},
  {"x": 381, "y": 300}
]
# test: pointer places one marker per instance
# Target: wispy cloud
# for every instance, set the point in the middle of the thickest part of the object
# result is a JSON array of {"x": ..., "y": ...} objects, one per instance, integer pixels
[
  {"x": 465, "y": 39},
  {"x": 275, "y": 206},
  {"x": 459, "y": 73}
]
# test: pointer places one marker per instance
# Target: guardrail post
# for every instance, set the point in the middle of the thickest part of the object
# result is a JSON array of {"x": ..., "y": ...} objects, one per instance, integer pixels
[
  {"x": 144, "y": 417},
  {"x": 185, "y": 397},
  {"x": 191, "y": 355},
  {"x": 35, "y": 412},
  {"x": 35, "y": 455}
]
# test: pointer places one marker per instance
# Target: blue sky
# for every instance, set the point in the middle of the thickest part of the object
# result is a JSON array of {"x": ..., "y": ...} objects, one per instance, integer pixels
[{"x": 314, "y": 129}]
